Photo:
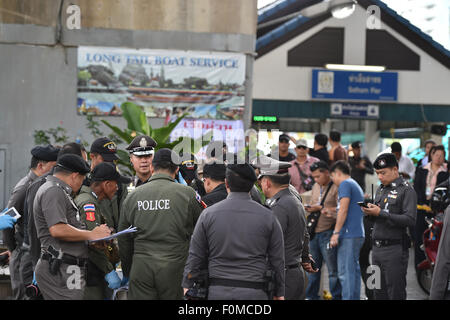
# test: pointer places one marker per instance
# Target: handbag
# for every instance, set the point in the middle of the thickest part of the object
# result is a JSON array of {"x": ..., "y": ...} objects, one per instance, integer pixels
[
  {"x": 313, "y": 217},
  {"x": 307, "y": 181}
]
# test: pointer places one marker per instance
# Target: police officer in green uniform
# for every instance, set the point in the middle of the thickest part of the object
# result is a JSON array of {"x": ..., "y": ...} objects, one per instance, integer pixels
[
  {"x": 141, "y": 151},
  {"x": 101, "y": 271},
  {"x": 394, "y": 210},
  {"x": 60, "y": 271},
  {"x": 105, "y": 150},
  {"x": 165, "y": 213},
  {"x": 42, "y": 161},
  {"x": 275, "y": 179}
]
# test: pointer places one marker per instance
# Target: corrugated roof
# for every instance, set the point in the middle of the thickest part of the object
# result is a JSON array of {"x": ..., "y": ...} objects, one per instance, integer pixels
[{"x": 296, "y": 22}]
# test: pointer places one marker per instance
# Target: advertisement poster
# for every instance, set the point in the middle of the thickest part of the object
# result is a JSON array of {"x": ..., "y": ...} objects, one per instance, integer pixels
[{"x": 165, "y": 83}]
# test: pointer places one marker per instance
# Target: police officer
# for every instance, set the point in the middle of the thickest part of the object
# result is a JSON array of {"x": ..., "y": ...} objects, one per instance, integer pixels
[
  {"x": 290, "y": 213},
  {"x": 165, "y": 213},
  {"x": 394, "y": 210},
  {"x": 42, "y": 161},
  {"x": 141, "y": 151},
  {"x": 30, "y": 237},
  {"x": 188, "y": 170},
  {"x": 105, "y": 150},
  {"x": 214, "y": 182},
  {"x": 60, "y": 272},
  {"x": 237, "y": 240},
  {"x": 101, "y": 271}
]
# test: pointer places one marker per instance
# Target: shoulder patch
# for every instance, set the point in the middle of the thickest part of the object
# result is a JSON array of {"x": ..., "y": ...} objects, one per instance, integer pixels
[{"x": 90, "y": 216}]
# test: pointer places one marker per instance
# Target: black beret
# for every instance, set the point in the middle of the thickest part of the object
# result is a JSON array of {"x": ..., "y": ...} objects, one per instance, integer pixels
[
  {"x": 142, "y": 146},
  {"x": 166, "y": 155},
  {"x": 73, "y": 163},
  {"x": 319, "y": 165},
  {"x": 245, "y": 171},
  {"x": 215, "y": 171},
  {"x": 47, "y": 153},
  {"x": 385, "y": 160},
  {"x": 106, "y": 148},
  {"x": 106, "y": 171}
]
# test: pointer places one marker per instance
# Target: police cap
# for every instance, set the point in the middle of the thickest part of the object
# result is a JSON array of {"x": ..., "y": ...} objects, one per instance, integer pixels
[
  {"x": 385, "y": 160},
  {"x": 47, "y": 153},
  {"x": 142, "y": 146},
  {"x": 214, "y": 170},
  {"x": 245, "y": 171},
  {"x": 107, "y": 171},
  {"x": 73, "y": 163},
  {"x": 270, "y": 167},
  {"x": 166, "y": 155},
  {"x": 106, "y": 148}
]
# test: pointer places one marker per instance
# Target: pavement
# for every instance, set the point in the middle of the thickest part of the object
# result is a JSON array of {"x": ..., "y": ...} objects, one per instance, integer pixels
[{"x": 413, "y": 290}]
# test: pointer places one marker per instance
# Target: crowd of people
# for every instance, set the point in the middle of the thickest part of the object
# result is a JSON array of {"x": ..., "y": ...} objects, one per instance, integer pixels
[{"x": 228, "y": 228}]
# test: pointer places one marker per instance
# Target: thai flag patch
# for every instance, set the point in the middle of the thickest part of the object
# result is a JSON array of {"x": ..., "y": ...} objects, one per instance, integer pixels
[{"x": 89, "y": 207}]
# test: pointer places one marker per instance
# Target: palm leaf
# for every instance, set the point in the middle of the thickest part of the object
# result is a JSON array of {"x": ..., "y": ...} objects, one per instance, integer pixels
[
  {"x": 122, "y": 134},
  {"x": 161, "y": 135},
  {"x": 135, "y": 117}
]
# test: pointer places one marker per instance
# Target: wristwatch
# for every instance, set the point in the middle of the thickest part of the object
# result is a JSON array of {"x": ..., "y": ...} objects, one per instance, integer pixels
[{"x": 336, "y": 232}]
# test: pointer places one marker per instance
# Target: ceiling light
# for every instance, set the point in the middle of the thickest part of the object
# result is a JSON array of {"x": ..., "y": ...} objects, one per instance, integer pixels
[
  {"x": 342, "y": 9},
  {"x": 350, "y": 67}
]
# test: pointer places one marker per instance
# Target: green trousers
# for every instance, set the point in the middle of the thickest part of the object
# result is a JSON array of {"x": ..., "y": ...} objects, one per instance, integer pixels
[{"x": 152, "y": 279}]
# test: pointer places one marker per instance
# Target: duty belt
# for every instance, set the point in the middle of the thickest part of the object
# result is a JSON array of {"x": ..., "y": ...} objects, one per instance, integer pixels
[
  {"x": 236, "y": 283},
  {"x": 386, "y": 243},
  {"x": 292, "y": 266},
  {"x": 67, "y": 259}
]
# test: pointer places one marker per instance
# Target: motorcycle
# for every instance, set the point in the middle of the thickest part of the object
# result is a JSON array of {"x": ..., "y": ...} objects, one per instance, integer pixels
[{"x": 430, "y": 245}]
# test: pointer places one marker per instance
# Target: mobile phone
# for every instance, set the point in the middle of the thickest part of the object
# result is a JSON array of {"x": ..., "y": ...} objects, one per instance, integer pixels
[
  {"x": 363, "y": 204},
  {"x": 13, "y": 213}
]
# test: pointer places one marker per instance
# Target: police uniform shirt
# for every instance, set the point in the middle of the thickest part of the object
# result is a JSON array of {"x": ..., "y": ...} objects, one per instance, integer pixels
[
  {"x": 52, "y": 205},
  {"x": 289, "y": 212},
  {"x": 165, "y": 213},
  {"x": 440, "y": 285},
  {"x": 398, "y": 203},
  {"x": 92, "y": 216},
  {"x": 233, "y": 238},
  {"x": 218, "y": 194},
  {"x": 17, "y": 200}
]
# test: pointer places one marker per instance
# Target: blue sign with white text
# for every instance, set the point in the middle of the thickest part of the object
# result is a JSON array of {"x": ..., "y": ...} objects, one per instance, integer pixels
[{"x": 354, "y": 85}]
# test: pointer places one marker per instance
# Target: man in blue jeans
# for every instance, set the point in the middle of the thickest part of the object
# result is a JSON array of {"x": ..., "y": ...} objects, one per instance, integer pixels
[
  {"x": 324, "y": 198},
  {"x": 348, "y": 234}
]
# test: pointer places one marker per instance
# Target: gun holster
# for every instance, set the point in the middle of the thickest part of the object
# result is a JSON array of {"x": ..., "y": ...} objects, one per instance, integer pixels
[
  {"x": 55, "y": 260},
  {"x": 269, "y": 279}
]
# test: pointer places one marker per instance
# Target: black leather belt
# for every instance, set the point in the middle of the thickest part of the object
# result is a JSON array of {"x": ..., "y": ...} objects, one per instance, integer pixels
[
  {"x": 236, "y": 283},
  {"x": 386, "y": 243},
  {"x": 293, "y": 266},
  {"x": 68, "y": 259}
]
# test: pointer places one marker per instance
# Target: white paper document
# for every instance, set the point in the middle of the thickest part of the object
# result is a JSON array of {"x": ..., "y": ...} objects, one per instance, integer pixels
[{"x": 130, "y": 229}]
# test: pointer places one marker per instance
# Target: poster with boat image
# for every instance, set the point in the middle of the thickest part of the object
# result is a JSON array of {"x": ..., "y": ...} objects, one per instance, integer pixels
[{"x": 165, "y": 83}]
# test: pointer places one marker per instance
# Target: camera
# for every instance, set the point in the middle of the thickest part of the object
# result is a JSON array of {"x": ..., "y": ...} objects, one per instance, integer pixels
[{"x": 199, "y": 290}]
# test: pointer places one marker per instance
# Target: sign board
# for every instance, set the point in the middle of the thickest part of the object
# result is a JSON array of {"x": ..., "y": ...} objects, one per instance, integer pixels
[
  {"x": 358, "y": 111},
  {"x": 265, "y": 119},
  {"x": 354, "y": 85},
  {"x": 207, "y": 85}
]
